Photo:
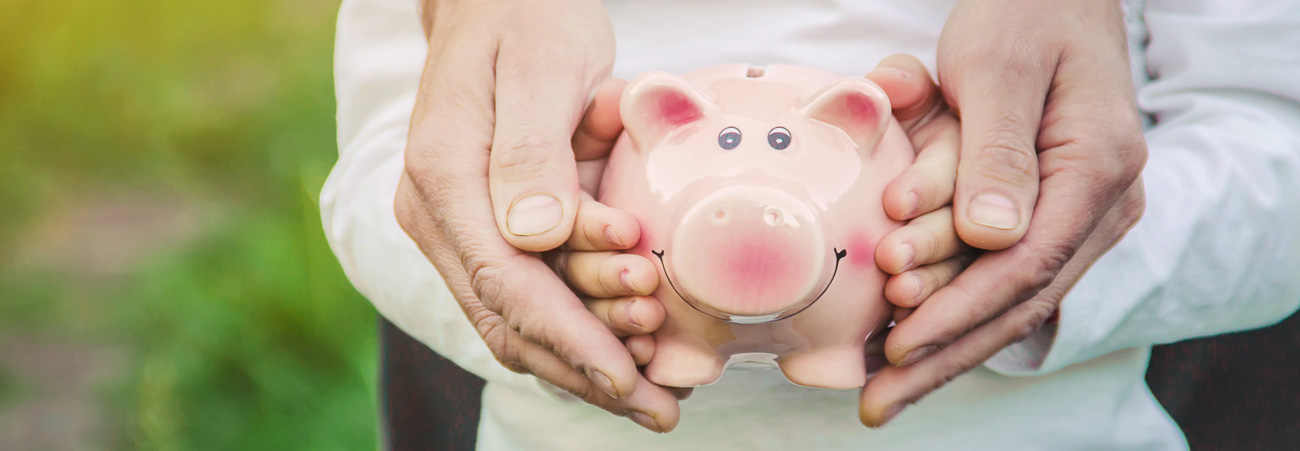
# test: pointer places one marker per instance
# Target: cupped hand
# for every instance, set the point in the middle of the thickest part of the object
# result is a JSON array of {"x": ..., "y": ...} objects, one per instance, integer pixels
[
  {"x": 501, "y": 121},
  {"x": 1049, "y": 126}
]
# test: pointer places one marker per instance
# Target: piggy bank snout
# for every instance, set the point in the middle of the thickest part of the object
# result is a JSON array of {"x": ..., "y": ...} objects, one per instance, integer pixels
[{"x": 749, "y": 252}]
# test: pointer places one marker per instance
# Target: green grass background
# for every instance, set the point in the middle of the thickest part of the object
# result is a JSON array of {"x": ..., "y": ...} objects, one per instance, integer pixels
[{"x": 248, "y": 336}]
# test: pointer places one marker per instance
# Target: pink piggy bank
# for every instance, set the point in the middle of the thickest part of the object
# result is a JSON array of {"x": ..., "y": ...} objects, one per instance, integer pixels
[{"x": 758, "y": 192}]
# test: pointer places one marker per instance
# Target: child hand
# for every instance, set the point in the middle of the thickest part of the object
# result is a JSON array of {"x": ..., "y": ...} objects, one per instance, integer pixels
[
  {"x": 926, "y": 253},
  {"x": 615, "y": 287}
]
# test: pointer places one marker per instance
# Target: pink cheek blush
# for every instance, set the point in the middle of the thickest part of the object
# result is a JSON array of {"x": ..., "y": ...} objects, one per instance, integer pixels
[{"x": 862, "y": 251}]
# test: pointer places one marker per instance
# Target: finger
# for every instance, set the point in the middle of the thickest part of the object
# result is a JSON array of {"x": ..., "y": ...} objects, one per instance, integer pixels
[
  {"x": 1000, "y": 102},
  {"x": 601, "y": 228},
  {"x": 533, "y": 174},
  {"x": 533, "y": 301},
  {"x": 885, "y": 397},
  {"x": 994, "y": 283},
  {"x": 651, "y": 406},
  {"x": 929, "y": 182},
  {"x": 901, "y": 314},
  {"x": 589, "y": 176},
  {"x": 925, "y": 240},
  {"x": 681, "y": 393},
  {"x": 601, "y": 125},
  {"x": 631, "y": 315},
  {"x": 606, "y": 274},
  {"x": 642, "y": 348},
  {"x": 912, "y": 94},
  {"x": 997, "y": 281},
  {"x": 910, "y": 289},
  {"x": 919, "y": 107},
  {"x": 875, "y": 352},
  {"x": 893, "y": 388}
]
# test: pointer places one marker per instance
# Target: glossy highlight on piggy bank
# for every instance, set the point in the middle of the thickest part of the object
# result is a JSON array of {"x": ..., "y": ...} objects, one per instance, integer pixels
[{"x": 758, "y": 192}]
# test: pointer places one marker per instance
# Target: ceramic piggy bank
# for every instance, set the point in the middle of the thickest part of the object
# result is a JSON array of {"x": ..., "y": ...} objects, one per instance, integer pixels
[{"x": 758, "y": 191}]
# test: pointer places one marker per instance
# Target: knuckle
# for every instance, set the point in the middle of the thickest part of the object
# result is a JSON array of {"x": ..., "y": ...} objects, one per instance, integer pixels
[
  {"x": 927, "y": 244},
  {"x": 1048, "y": 265},
  {"x": 1113, "y": 160},
  {"x": 1008, "y": 158},
  {"x": 586, "y": 393},
  {"x": 497, "y": 338},
  {"x": 608, "y": 280},
  {"x": 1037, "y": 312},
  {"x": 485, "y": 278},
  {"x": 1132, "y": 208},
  {"x": 1110, "y": 163},
  {"x": 424, "y": 170},
  {"x": 612, "y": 316},
  {"x": 949, "y": 270},
  {"x": 525, "y": 156},
  {"x": 406, "y": 212},
  {"x": 1043, "y": 264},
  {"x": 959, "y": 364},
  {"x": 561, "y": 262},
  {"x": 1133, "y": 156}
]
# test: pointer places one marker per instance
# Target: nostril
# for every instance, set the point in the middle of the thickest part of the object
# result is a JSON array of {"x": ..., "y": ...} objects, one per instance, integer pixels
[{"x": 773, "y": 216}]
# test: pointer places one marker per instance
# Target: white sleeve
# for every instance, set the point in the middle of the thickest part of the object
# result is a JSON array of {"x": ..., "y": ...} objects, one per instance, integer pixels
[
  {"x": 379, "y": 56},
  {"x": 1218, "y": 249}
]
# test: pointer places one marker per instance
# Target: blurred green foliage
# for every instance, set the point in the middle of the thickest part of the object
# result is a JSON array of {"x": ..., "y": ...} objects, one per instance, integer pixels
[{"x": 246, "y": 335}]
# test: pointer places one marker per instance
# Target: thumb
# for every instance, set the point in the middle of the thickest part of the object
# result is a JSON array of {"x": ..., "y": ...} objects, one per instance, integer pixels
[
  {"x": 1001, "y": 107},
  {"x": 532, "y": 174}
]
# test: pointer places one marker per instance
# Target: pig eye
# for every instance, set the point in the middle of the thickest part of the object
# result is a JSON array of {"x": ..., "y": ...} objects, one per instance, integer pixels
[
  {"x": 729, "y": 138},
  {"x": 778, "y": 138}
]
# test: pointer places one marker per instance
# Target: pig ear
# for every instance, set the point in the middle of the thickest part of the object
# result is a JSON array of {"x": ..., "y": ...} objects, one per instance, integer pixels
[
  {"x": 855, "y": 105},
  {"x": 656, "y": 103}
]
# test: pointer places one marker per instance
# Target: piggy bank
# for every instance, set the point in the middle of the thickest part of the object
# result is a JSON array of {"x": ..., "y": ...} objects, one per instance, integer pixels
[{"x": 758, "y": 192}]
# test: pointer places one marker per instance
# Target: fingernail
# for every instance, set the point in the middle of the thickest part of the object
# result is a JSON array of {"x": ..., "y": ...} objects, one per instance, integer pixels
[
  {"x": 913, "y": 201},
  {"x": 876, "y": 362},
  {"x": 631, "y": 317},
  {"x": 625, "y": 278},
  {"x": 900, "y": 73},
  {"x": 892, "y": 412},
  {"x": 612, "y": 237},
  {"x": 603, "y": 382},
  {"x": 645, "y": 421},
  {"x": 993, "y": 210},
  {"x": 534, "y": 215},
  {"x": 909, "y": 256},
  {"x": 917, "y": 354}
]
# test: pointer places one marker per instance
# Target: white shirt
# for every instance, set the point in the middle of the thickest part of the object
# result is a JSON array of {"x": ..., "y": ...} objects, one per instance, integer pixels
[{"x": 1217, "y": 251}]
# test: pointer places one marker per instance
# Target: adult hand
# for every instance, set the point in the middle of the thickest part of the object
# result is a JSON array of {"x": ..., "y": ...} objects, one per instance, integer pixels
[
  {"x": 491, "y": 175},
  {"x": 1049, "y": 126}
]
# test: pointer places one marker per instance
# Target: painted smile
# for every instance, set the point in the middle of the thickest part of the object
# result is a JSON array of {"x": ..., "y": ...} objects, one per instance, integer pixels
[{"x": 839, "y": 255}]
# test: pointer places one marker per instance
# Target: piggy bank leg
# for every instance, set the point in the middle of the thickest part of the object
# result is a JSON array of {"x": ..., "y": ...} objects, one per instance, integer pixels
[
  {"x": 681, "y": 362},
  {"x": 839, "y": 367}
]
